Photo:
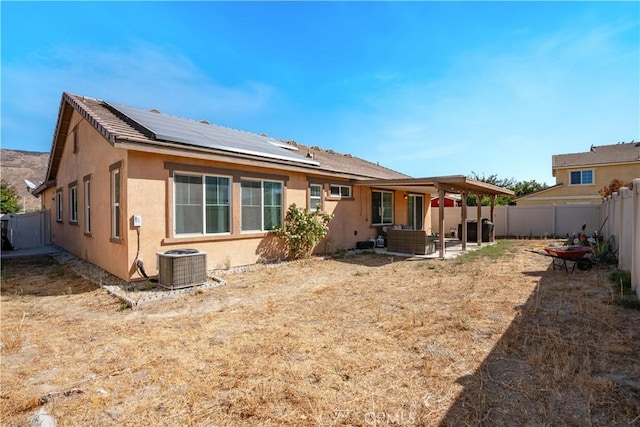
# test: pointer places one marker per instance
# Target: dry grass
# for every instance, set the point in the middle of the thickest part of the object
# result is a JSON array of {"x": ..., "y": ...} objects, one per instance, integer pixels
[{"x": 498, "y": 340}]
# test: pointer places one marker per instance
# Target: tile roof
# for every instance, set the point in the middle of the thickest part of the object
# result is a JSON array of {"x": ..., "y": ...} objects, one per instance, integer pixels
[
  {"x": 598, "y": 155},
  {"x": 116, "y": 126}
]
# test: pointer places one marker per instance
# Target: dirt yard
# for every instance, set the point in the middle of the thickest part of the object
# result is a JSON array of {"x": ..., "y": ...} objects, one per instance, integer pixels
[{"x": 495, "y": 338}]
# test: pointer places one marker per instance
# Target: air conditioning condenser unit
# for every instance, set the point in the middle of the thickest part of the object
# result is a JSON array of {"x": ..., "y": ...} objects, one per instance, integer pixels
[{"x": 182, "y": 268}]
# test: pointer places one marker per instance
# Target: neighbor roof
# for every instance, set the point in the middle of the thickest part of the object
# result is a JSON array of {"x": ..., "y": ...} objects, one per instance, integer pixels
[
  {"x": 150, "y": 130},
  {"x": 598, "y": 155}
]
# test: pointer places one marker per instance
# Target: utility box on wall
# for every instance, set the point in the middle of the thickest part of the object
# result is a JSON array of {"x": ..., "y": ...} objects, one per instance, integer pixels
[{"x": 182, "y": 268}]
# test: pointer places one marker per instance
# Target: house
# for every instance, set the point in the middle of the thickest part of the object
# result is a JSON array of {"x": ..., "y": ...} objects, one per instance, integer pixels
[
  {"x": 579, "y": 176},
  {"x": 450, "y": 200},
  {"x": 125, "y": 184}
]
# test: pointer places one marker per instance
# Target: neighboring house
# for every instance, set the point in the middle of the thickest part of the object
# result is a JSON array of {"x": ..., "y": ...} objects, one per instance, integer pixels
[
  {"x": 124, "y": 184},
  {"x": 450, "y": 201},
  {"x": 579, "y": 176}
]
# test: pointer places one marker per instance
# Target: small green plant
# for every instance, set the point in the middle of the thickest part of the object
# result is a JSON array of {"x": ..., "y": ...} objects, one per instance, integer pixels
[
  {"x": 622, "y": 293},
  {"x": 490, "y": 251},
  {"x": 302, "y": 231},
  {"x": 339, "y": 253},
  {"x": 603, "y": 252},
  {"x": 622, "y": 279}
]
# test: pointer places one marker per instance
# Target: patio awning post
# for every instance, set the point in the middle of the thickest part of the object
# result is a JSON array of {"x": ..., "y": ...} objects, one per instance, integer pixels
[
  {"x": 491, "y": 213},
  {"x": 463, "y": 228},
  {"x": 479, "y": 223},
  {"x": 441, "y": 194}
]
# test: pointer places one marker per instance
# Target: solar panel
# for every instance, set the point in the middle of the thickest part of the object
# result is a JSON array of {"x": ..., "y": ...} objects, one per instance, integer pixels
[{"x": 186, "y": 131}]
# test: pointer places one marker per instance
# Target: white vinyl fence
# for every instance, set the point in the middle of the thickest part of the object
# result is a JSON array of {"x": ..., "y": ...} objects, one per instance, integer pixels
[
  {"x": 527, "y": 221},
  {"x": 27, "y": 230},
  {"x": 621, "y": 211}
]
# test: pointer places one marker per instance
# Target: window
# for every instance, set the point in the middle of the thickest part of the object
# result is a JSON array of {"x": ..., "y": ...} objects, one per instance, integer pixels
[
  {"x": 261, "y": 205},
  {"x": 115, "y": 203},
  {"x": 73, "y": 203},
  {"x": 315, "y": 197},
  {"x": 416, "y": 213},
  {"x": 341, "y": 191},
  {"x": 381, "y": 207},
  {"x": 202, "y": 204},
  {"x": 59, "y": 205},
  {"x": 87, "y": 205},
  {"x": 584, "y": 177}
]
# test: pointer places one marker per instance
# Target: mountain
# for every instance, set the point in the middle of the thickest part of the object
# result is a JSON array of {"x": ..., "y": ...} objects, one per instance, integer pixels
[{"x": 18, "y": 165}]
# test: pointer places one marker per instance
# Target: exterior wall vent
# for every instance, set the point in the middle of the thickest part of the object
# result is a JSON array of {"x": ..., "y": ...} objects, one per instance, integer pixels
[{"x": 181, "y": 268}]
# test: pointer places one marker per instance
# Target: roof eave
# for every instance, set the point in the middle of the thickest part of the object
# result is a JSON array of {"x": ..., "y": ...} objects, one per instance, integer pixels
[
  {"x": 452, "y": 184},
  {"x": 162, "y": 147}
]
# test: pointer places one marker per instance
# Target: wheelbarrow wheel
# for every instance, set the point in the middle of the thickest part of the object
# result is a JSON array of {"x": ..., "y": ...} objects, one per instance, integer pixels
[{"x": 584, "y": 264}]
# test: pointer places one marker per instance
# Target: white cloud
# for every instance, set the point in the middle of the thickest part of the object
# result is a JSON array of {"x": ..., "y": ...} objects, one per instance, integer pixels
[
  {"x": 143, "y": 75},
  {"x": 510, "y": 111}
]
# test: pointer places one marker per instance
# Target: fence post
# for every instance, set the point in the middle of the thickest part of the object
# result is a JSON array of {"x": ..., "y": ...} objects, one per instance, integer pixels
[{"x": 635, "y": 236}]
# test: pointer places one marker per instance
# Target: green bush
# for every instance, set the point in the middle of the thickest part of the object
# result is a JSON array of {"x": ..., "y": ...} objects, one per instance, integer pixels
[{"x": 302, "y": 231}]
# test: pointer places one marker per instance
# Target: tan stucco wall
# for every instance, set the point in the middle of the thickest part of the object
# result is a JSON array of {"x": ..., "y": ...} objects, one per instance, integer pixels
[
  {"x": 147, "y": 190},
  {"x": 93, "y": 157},
  {"x": 149, "y": 175},
  {"x": 567, "y": 194}
]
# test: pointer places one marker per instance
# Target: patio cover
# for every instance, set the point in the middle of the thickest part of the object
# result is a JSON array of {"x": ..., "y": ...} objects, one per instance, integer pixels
[{"x": 456, "y": 184}]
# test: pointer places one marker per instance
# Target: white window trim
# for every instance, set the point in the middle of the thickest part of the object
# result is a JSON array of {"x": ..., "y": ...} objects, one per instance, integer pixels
[
  {"x": 417, "y": 196},
  {"x": 87, "y": 206},
  {"x": 73, "y": 204},
  {"x": 262, "y": 181},
  {"x": 593, "y": 177},
  {"x": 381, "y": 215},
  {"x": 59, "y": 205},
  {"x": 115, "y": 230},
  {"x": 318, "y": 198},
  {"x": 339, "y": 187},
  {"x": 204, "y": 205}
]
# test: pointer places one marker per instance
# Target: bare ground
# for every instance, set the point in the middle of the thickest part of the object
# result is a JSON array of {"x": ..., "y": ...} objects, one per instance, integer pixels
[{"x": 364, "y": 340}]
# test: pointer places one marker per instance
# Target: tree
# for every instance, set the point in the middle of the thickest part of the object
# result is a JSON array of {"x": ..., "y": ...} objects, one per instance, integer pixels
[
  {"x": 9, "y": 201},
  {"x": 614, "y": 187},
  {"x": 302, "y": 231},
  {"x": 519, "y": 189}
]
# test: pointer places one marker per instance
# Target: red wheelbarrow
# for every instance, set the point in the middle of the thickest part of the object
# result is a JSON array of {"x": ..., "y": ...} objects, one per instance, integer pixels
[{"x": 574, "y": 254}]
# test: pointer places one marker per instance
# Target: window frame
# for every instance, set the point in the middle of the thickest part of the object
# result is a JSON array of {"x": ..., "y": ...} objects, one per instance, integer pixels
[
  {"x": 411, "y": 202},
  {"x": 263, "y": 207},
  {"x": 318, "y": 199},
  {"x": 203, "y": 204},
  {"x": 340, "y": 194},
  {"x": 115, "y": 173},
  {"x": 582, "y": 173},
  {"x": 87, "y": 204},
  {"x": 73, "y": 203},
  {"x": 59, "y": 205},
  {"x": 381, "y": 208}
]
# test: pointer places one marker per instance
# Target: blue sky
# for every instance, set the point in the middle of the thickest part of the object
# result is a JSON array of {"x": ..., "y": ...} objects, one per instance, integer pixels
[{"x": 425, "y": 88}]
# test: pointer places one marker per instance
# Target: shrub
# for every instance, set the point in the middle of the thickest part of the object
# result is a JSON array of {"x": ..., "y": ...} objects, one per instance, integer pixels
[
  {"x": 614, "y": 186},
  {"x": 302, "y": 231}
]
